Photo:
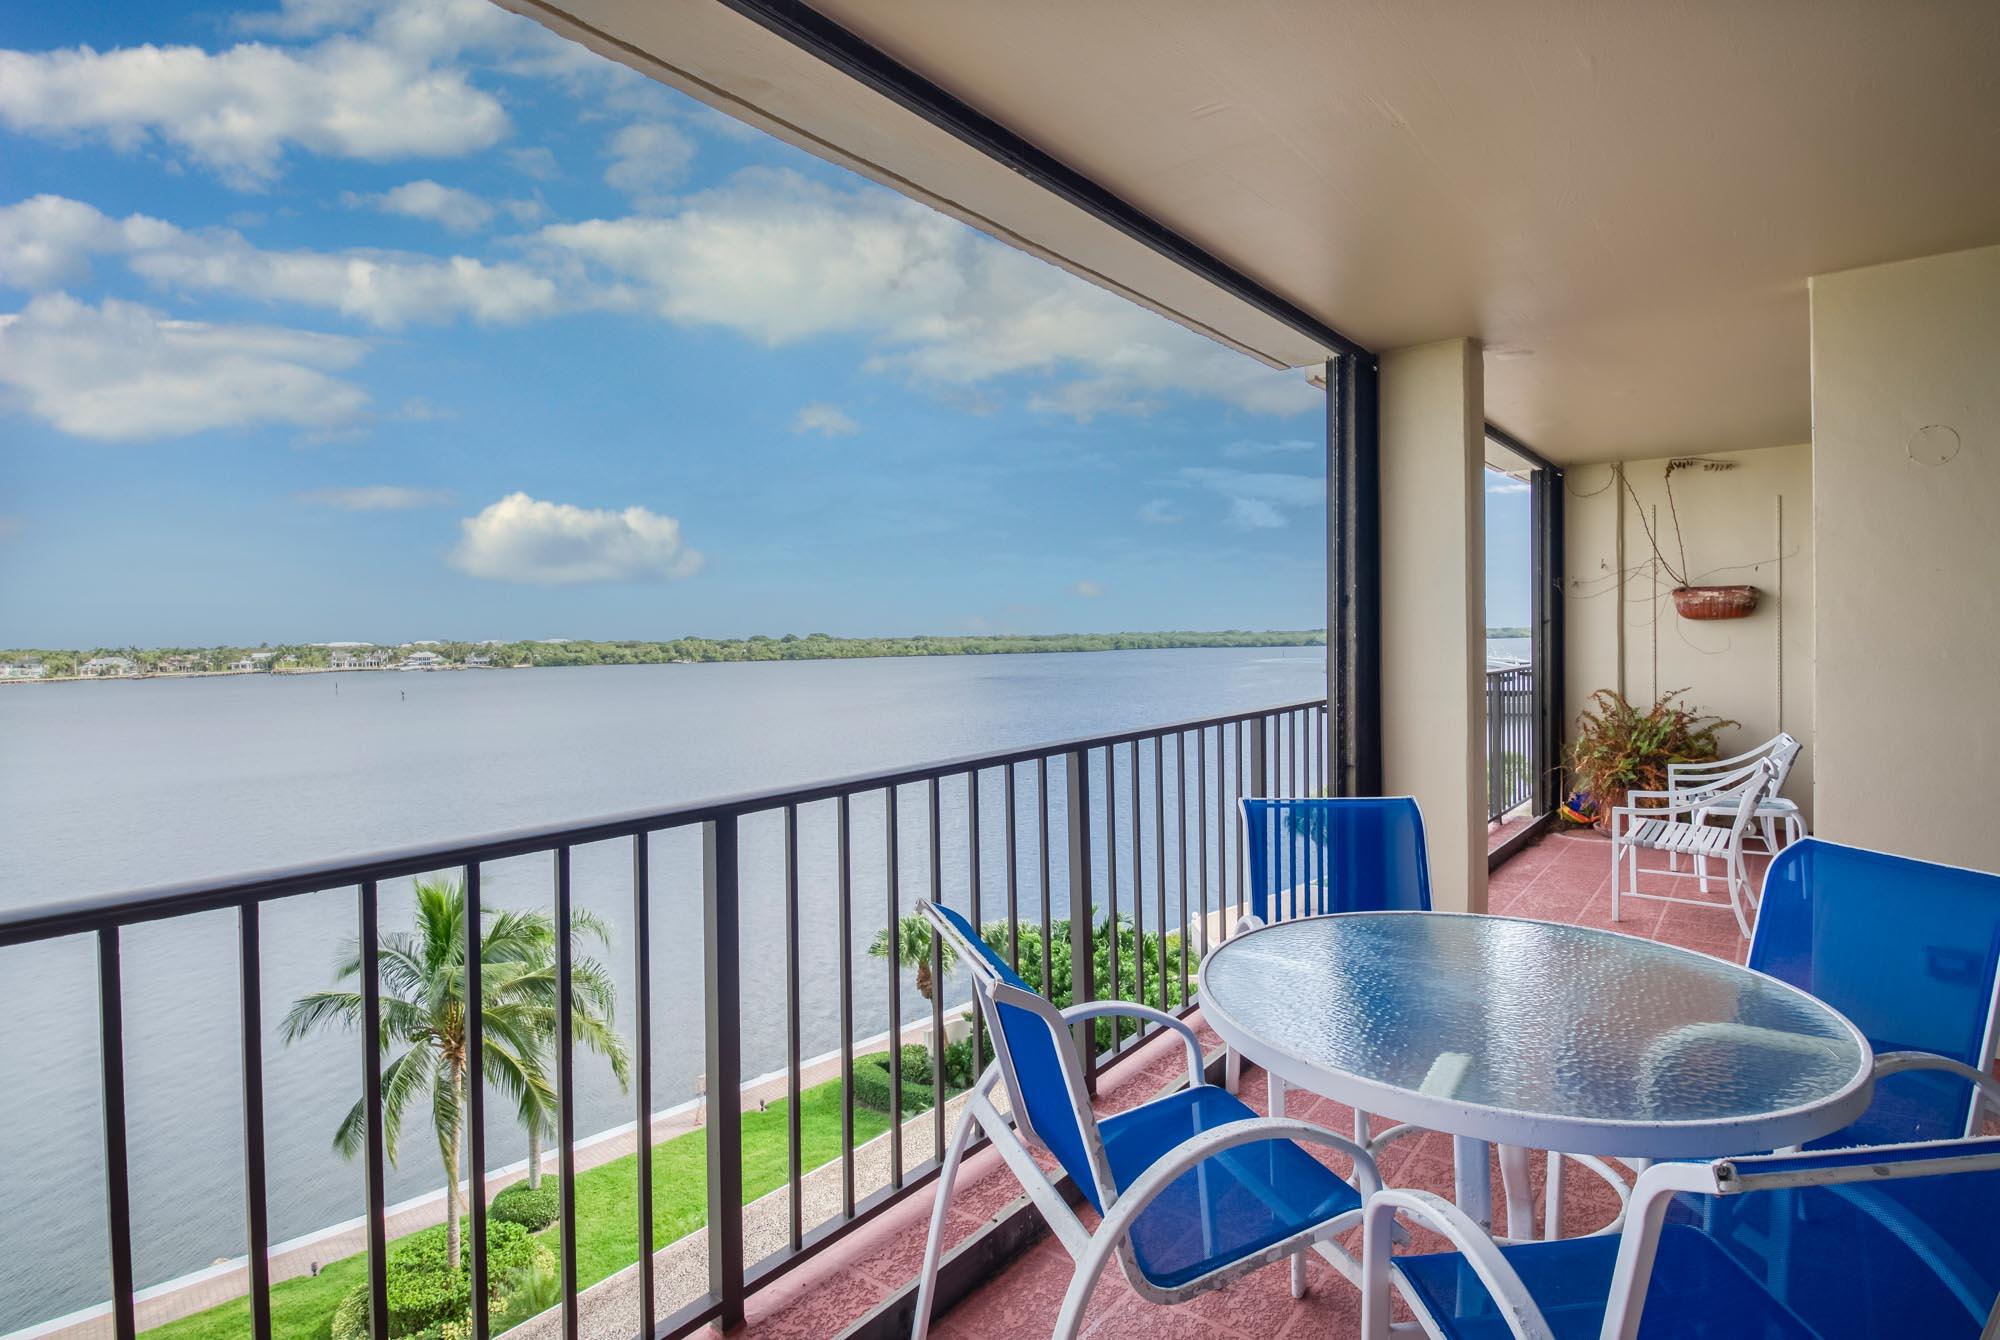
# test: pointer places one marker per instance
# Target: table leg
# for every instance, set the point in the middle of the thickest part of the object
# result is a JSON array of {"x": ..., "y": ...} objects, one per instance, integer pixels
[
  {"x": 1514, "y": 1182},
  {"x": 1472, "y": 1173}
]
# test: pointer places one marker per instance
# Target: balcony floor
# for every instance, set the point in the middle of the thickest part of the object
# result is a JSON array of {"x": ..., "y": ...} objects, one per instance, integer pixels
[{"x": 1563, "y": 877}]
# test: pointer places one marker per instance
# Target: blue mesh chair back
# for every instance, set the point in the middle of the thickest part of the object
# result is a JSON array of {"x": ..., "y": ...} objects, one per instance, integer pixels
[
  {"x": 1909, "y": 950},
  {"x": 1345, "y": 854},
  {"x": 1038, "y": 1084},
  {"x": 1861, "y": 1259}
]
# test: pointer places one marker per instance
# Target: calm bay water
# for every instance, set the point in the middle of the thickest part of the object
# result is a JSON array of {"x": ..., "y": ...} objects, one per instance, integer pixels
[{"x": 118, "y": 785}]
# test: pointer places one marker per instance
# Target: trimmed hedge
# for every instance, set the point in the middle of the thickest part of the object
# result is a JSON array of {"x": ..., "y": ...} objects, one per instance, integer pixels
[
  {"x": 533, "y": 1208},
  {"x": 427, "y": 1298},
  {"x": 871, "y": 1080}
]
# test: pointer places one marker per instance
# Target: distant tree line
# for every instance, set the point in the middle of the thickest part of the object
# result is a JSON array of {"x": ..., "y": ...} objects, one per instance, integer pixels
[{"x": 283, "y": 657}]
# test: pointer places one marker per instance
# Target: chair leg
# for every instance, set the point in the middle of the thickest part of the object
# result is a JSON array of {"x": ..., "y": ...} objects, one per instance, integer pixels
[
  {"x": 1552, "y": 1199},
  {"x": 1516, "y": 1189},
  {"x": 1701, "y": 868},
  {"x": 1232, "y": 1070},
  {"x": 1739, "y": 883},
  {"x": 1616, "y": 852},
  {"x": 934, "y": 1244},
  {"x": 1076, "y": 1299}
]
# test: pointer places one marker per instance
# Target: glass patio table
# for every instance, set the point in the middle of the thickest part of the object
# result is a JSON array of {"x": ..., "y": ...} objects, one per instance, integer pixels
[{"x": 1532, "y": 1035}]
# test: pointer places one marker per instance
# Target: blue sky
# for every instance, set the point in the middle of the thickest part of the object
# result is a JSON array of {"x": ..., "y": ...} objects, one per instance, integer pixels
[{"x": 355, "y": 320}]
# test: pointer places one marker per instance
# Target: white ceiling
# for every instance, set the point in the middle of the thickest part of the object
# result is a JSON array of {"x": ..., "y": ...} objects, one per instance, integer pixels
[{"x": 1623, "y": 201}]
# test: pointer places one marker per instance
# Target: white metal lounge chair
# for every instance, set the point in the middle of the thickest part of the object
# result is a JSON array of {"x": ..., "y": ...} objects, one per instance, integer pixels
[{"x": 1682, "y": 827}]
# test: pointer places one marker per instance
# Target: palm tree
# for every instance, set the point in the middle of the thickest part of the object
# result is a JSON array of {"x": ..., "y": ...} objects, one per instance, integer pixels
[
  {"x": 913, "y": 946},
  {"x": 593, "y": 1007},
  {"x": 422, "y": 975}
]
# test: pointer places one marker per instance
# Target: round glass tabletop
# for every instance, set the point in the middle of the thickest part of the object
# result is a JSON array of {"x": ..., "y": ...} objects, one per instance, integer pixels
[{"x": 1533, "y": 1033}]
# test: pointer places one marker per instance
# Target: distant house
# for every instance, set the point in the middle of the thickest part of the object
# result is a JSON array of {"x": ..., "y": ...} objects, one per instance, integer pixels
[
  {"x": 29, "y": 667},
  {"x": 423, "y": 660},
  {"x": 343, "y": 660},
  {"x": 108, "y": 667},
  {"x": 477, "y": 659}
]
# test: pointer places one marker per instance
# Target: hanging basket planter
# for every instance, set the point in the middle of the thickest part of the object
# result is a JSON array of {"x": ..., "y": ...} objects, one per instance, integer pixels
[{"x": 1715, "y": 602}]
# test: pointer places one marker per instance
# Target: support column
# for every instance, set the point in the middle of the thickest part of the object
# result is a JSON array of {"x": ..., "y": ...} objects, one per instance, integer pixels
[{"x": 1433, "y": 616}]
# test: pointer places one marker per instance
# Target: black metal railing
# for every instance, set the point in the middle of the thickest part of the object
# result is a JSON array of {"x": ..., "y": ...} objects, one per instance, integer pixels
[
  {"x": 1510, "y": 739},
  {"x": 1190, "y": 892}
]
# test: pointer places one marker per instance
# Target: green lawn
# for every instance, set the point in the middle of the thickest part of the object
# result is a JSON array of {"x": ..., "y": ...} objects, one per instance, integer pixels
[{"x": 607, "y": 1237}]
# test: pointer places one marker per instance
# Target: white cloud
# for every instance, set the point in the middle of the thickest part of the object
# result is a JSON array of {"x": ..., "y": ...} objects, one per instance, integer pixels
[
  {"x": 1087, "y": 589},
  {"x": 824, "y": 419},
  {"x": 47, "y": 240},
  {"x": 122, "y": 372},
  {"x": 460, "y": 211},
  {"x": 648, "y": 159},
  {"x": 1159, "y": 512},
  {"x": 47, "y": 237},
  {"x": 375, "y": 498},
  {"x": 523, "y": 539},
  {"x": 236, "y": 112},
  {"x": 1497, "y": 483},
  {"x": 1258, "y": 499},
  {"x": 780, "y": 260},
  {"x": 1238, "y": 451}
]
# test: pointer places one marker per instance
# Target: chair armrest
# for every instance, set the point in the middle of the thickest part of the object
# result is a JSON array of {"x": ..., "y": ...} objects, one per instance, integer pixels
[
  {"x": 1097, "y": 1009},
  {"x": 1132, "y": 1202},
  {"x": 1892, "y": 1063},
  {"x": 1516, "y": 1306}
]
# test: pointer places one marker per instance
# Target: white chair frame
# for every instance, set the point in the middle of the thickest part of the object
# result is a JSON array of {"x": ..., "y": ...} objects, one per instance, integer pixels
[
  {"x": 1631, "y": 1276},
  {"x": 1014, "y": 1136},
  {"x": 1685, "y": 831},
  {"x": 1717, "y": 773},
  {"x": 1690, "y": 781}
]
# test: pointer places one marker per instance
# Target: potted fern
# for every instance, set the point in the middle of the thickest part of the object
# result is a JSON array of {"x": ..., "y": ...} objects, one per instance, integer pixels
[{"x": 1621, "y": 748}]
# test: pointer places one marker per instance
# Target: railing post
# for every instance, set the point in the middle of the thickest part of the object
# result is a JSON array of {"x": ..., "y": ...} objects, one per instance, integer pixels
[
  {"x": 1082, "y": 942},
  {"x": 722, "y": 969},
  {"x": 1259, "y": 755}
]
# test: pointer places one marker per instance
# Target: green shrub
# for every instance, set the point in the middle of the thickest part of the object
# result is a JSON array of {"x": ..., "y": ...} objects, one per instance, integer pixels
[
  {"x": 917, "y": 1065},
  {"x": 533, "y": 1208},
  {"x": 871, "y": 1083},
  {"x": 959, "y": 1071},
  {"x": 427, "y": 1298}
]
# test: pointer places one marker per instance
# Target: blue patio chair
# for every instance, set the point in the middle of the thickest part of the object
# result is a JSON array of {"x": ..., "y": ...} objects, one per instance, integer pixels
[
  {"x": 1309, "y": 858},
  {"x": 1850, "y": 1245},
  {"x": 1192, "y": 1190},
  {"x": 1910, "y": 951},
  {"x": 1336, "y": 854}
]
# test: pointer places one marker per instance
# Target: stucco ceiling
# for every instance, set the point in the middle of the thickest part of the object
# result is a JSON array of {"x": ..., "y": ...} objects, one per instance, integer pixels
[{"x": 1623, "y": 201}]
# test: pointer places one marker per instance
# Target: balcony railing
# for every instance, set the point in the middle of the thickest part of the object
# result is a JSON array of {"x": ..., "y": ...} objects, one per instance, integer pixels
[
  {"x": 1104, "y": 797},
  {"x": 1510, "y": 739}
]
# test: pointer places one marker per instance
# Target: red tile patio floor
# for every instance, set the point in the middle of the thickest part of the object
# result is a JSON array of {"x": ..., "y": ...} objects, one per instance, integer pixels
[{"x": 1563, "y": 877}]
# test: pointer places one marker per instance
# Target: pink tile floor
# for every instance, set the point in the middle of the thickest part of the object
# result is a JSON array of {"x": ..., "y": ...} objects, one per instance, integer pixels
[{"x": 1564, "y": 877}]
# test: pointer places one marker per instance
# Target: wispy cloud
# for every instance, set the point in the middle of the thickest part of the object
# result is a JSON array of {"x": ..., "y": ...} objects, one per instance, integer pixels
[
  {"x": 1502, "y": 484},
  {"x": 120, "y": 372},
  {"x": 648, "y": 159},
  {"x": 236, "y": 112},
  {"x": 376, "y": 498},
  {"x": 1258, "y": 499},
  {"x": 447, "y": 206},
  {"x": 824, "y": 419},
  {"x": 1238, "y": 451},
  {"x": 1159, "y": 512},
  {"x": 523, "y": 539},
  {"x": 1087, "y": 589}
]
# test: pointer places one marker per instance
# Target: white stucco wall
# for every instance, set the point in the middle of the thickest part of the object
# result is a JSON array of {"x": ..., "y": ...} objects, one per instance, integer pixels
[
  {"x": 1906, "y": 482},
  {"x": 1434, "y": 605},
  {"x": 1756, "y": 671}
]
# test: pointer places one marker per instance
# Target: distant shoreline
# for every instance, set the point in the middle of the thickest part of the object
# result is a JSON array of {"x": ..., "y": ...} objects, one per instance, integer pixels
[
  {"x": 432, "y": 656},
  {"x": 44, "y": 666}
]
